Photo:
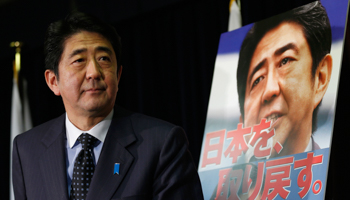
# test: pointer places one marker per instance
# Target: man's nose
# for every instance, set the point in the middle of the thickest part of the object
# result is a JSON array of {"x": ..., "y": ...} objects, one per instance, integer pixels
[
  {"x": 93, "y": 70},
  {"x": 272, "y": 88}
]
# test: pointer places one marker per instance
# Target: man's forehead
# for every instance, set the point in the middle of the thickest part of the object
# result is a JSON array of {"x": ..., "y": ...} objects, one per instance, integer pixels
[{"x": 84, "y": 40}]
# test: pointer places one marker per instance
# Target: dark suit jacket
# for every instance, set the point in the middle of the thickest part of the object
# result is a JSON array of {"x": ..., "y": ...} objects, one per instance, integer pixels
[{"x": 154, "y": 162}]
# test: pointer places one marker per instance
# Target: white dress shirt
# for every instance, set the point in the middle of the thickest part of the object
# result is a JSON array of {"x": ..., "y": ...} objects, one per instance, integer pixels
[{"x": 73, "y": 146}]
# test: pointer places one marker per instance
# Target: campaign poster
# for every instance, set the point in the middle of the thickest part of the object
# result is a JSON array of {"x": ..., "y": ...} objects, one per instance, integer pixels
[{"x": 271, "y": 109}]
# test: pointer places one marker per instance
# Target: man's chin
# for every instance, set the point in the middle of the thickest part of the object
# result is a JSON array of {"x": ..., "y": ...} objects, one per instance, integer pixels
[{"x": 96, "y": 109}]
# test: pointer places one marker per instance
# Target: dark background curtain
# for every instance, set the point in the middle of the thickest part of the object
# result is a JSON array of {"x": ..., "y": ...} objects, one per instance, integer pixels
[{"x": 169, "y": 51}]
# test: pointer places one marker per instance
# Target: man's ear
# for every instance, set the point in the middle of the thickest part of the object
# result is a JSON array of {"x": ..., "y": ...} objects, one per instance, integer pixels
[
  {"x": 51, "y": 81},
  {"x": 322, "y": 78},
  {"x": 240, "y": 119}
]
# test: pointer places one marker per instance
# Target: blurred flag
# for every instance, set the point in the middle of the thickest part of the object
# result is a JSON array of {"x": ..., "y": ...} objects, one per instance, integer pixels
[
  {"x": 235, "y": 20},
  {"x": 20, "y": 112},
  {"x": 20, "y": 119}
]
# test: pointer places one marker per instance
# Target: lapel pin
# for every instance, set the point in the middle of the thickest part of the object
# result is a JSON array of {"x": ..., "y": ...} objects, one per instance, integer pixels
[{"x": 116, "y": 168}]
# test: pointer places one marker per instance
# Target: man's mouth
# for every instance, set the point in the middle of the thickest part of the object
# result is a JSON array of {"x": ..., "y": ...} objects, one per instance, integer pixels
[
  {"x": 94, "y": 89},
  {"x": 272, "y": 118}
]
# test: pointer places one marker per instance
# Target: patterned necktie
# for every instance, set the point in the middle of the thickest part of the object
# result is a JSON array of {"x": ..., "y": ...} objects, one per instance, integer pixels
[{"x": 83, "y": 168}]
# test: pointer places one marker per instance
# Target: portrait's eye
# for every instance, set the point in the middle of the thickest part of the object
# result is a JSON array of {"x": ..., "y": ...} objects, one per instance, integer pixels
[
  {"x": 257, "y": 81},
  {"x": 79, "y": 60},
  {"x": 285, "y": 61}
]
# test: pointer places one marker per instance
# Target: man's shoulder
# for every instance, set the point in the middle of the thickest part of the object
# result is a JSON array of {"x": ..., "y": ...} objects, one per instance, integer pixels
[
  {"x": 38, "y": 131},
  {"x": 143, "y": 121},
  {"x": 152, "y": 131}
]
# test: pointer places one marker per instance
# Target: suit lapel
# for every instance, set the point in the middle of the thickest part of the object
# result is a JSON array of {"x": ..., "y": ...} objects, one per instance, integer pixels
[
  {"x": 53, "y": 162},
  {"x": 104, "y": 182}
]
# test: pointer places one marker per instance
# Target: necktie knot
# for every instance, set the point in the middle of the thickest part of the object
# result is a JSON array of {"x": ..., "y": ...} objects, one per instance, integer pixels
[{"x": 87, "y": 141}]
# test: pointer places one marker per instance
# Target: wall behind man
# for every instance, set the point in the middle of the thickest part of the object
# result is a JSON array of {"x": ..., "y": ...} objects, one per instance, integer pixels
[{"x": 169, "y": 51}]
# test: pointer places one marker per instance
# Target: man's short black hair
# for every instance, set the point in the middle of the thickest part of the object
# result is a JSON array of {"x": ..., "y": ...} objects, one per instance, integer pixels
[
  {"x": 316, "y": 28},
  {"x": 58, "y": 32}
]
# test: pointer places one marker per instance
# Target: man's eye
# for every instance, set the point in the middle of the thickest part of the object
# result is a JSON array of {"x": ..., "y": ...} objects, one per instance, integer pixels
[
  {"x": 105, "y": 58},
  {"x": 257, "y": 81}
]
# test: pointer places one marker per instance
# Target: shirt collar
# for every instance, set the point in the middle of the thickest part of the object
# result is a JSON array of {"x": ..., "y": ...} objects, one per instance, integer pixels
[
  {"x": 99, "y": 131},
  {"x": 309, "y": 145}
]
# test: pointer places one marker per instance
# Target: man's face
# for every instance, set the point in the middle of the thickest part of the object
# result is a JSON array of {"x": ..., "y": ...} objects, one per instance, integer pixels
[
  {"x": 280, "y": 87},
  {"x": 88, "y": 79}
]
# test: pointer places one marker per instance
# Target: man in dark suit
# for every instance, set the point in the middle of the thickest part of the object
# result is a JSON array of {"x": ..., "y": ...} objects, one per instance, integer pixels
[{"x": 133, "y": 156}]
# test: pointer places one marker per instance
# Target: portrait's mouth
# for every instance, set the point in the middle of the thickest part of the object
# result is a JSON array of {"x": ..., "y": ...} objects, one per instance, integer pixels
[{"x": 273, "y": 118}]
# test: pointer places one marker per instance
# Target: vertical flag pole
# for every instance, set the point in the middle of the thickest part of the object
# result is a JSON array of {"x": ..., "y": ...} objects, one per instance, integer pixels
[
  {"x": 16, "y": 107},
  {"x": 17, "y": 65}
]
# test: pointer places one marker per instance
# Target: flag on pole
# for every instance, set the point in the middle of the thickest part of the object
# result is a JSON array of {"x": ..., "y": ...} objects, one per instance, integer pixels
[
  {"x": 235, "y": 19},
  {"x": 20, "y": 112}
]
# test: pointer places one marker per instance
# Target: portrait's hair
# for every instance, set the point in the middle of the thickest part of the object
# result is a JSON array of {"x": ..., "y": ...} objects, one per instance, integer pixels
[
  {"x": 58, "y": 32},
  {"x": 316, "y": 28}
]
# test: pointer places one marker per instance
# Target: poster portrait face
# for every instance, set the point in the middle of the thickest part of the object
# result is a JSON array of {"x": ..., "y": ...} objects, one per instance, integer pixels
[
  {"x": 283, "y": 73},
  {"x": 272, "y": 104},
  {"x": 281, "y": 87}
]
